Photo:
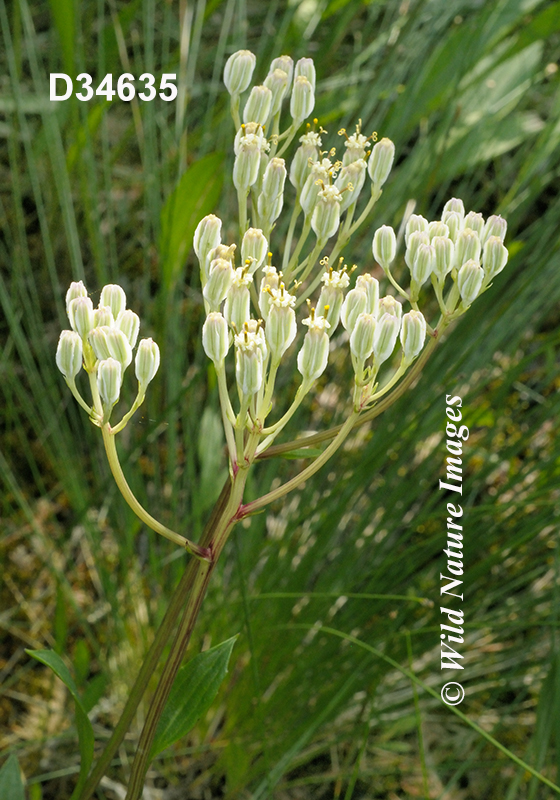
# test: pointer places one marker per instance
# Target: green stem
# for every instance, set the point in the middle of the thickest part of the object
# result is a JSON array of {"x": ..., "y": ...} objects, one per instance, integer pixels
[
  {"x": 71, "y": 383},
  {"x": 151, "y": 661},
  {"x": 275, "y": 494},
  {"x": 235, "y": 111},
  {"x": 242, "y": 203},
  {"x": 222, "y": 529}
]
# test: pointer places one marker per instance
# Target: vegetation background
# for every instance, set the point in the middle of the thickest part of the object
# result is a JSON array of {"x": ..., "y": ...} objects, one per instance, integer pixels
[{"x": 111, "y": 192}]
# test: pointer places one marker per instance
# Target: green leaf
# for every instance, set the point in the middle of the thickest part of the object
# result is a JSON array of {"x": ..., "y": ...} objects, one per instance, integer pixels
[
  {"x": 63, "y": 16},
  {"x": 85, "y": 730},
  {"x": 303, "y": 452},
  {"x": 194, "y": 689},
  {"x": 194, "y": 197},
  {"x": 11, "y": 784}
]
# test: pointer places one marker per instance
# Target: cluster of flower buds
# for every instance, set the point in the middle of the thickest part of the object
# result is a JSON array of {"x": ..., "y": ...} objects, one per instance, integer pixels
[
  {"x": 102, "y": 340},
  {"x": 464, "y": 246}
]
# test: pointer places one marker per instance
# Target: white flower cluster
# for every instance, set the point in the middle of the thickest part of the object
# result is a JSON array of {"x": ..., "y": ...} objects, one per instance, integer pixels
[
  {"x": 464, "y": 246},
  {"x": 252, "y": 307},
  {"x": 102, "y": 340}
]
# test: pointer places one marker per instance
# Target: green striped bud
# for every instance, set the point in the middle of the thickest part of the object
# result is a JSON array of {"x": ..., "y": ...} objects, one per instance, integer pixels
[
  {"x": 317, "y": 179},
  {"x": 257, "y": 107},
  {"x": 271, "y": 198},
  {"x": 380, "y": 162},
  {"x": 306, "y": 152},
  {"x": 415, "y": 239},
  {"x": 325, "y": 219},
  {"x": 114, "y": 297},
  {"x": 249, "y": 357},
  {"x": 416, "y": 222},
  {"x": 389, "y": 305},
  {"x": 207, "y": 236},
  {"x": 386, "y": 332},
  {"x": 361, "y": 339},
  {"x": 370, "y": 286},
  {"x": 469, "y": 281},
  {"x": 423, "y": 264},
  {"x": 314, "y": 354},
  {"x": 474, "y": 221},
  {"x": 331, "y": 298},
  {"x": 350, "y": 181},
  {"x": 109, "y": 378},
  {"x": 453, "y": 221},
  {"x": 111, "y": 343},
  {"x": 69, "y": 354},
  {"x": 495, "y": 226},
  {"x": 467, "y": 247},
  {"x": 103, "y": 317},
  {"x": 248, "y": 160},
  {"x": 413, "y": 334},
  {"x": 355, "y": 303},
  {"x": 306, "y": 68},
  {"x": 239, "y": 71},
  {"x": 215, "y": 337},
  {"x": 277, "y": 82},
  {"x": 129, "y": 323},
  {"x": 237, "y": 308},
  {"x": 445, "y": 251},
  {"x": 254, "y": 248},
  {"x": 76, "y": 289},
  {"x": 494, "y": 258},
  {"x": 219, "y": 281},
  {"x": 81, "y": 312},
  {"x": 285, "y": 63},
  {"x": 281, "y": 326},
  {"x": 302, "y": 101},
  {"x": 437, "y": 229},
  {"x": 384, "y": 246},
  {"x": 146, "y": 363},
  {"x": 455, "y": 205}
]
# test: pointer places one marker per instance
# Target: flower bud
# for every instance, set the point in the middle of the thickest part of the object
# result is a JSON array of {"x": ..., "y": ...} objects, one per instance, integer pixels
[
  {"x": 271, "y": 198},
  {"x": 81, "y": 313},
  {"x": 215, "y": 337},
  {"x": 314, "y": 354},
  {"x": 325, "y": 219},
  {"x": 248, "y": 160},
  {"x": 277, "y": 82},
  {"x": 331, "y": 298},
  {"x": 76, "y": 289},
  {"x": 109, "y": 378},
  {"x": 257, "y": 107},
  {"x": 111, "y": 343},
  {"x": 285, "y": 63},
  {"x": 248, "y": 361},
  {"x": 239, "y": 71},
  {"x": 445, "y": 251},
  {"x": 355, "y": 303},
  {"x": 423, "y": 264},
  {"x": 361, "y": 339},
  {"x": 303, "y": 99},
  {"x": 219, "y": 281},
  {"x": 469, "y": 281},
  {"x": 129, "y": 323},
  {"x": 147, "y": 361},
  {"x": 308, "y": 151},
  {"x": 453, "y": 221},
  {"x": 237, "y": 308},
  {"x": 114, "y": 297},
  {"x": 103, "y": 317},
  {"x": 384, "y": 246},
  {"x": 414, "y": 241},
  {"x": 254, "y": 248},
  {"x": 350, "y": 181},
  {"x": 370, "y": 286},
  {"x": 386, "y": 332},
  {"x": 474, "y": 221},
  {"x": 381, "y": 161},
  {"x": 306, "y": 67},
  {"x": 494, "y": 258},
  {"x": 270, "y": 281},
  {"x": 416, "y": 222},
  {"x": 69, "y": 354},
  {"x": 389, "y": 305},
  {"x": 455, "y": 205},
  {"x": 467, "y": 247},
  {"x": 495, "y": 226},
  {"x": 281, "y": 327},
  {"x": 207, "y": 236},
  {"x": 413, "y": 334},
  {"x": 317, "y": 179},
  {"x": 437, "y": 229},
  {"x": 98, "y": 341}
]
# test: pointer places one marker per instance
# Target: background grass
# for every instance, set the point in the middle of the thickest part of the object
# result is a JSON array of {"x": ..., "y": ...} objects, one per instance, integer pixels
[{"x": 106, "y": 192}]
